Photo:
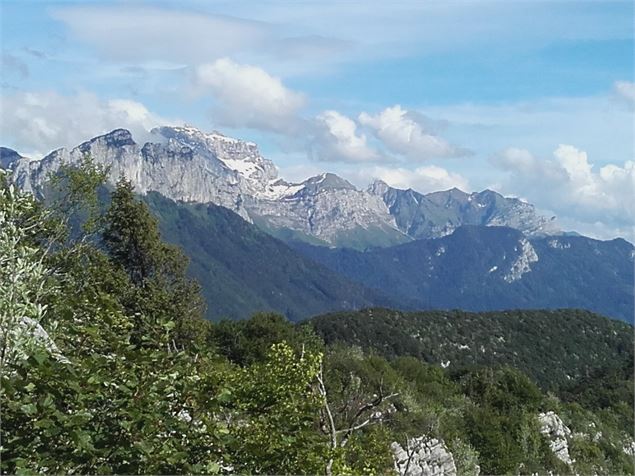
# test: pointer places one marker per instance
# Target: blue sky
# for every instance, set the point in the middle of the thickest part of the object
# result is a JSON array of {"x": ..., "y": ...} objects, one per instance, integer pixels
[{"x": 534, "y": 99}]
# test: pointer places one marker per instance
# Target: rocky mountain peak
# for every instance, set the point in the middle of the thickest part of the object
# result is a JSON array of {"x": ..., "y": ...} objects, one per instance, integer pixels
[
  {"x": 325, "y": 182},
  {"x": 115, "y": 138},
  {"x": 438, "y": 214},
  {"x": 448, "y": 197},
  {"x": 8, "y": 157},
  {"x": 242, "y": 157},
  {"x": 378, "y": 187},
  {"x": 212, "y": 142}
]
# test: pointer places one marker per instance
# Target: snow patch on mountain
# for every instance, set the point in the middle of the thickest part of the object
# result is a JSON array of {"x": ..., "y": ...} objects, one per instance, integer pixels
[
  {"x": 241, "y": 166},
  {"x": 279, "y": 190}
]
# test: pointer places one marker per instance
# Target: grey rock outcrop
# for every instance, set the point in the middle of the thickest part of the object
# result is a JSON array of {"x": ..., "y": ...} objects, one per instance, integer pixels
[
  {"x": 423, "y": 456},
  {"x": 522, "y": 264},
  {"x": 558, "y": 433},
  {"x": 174, "y": 168},
  {"x": 183, "y": 163}
]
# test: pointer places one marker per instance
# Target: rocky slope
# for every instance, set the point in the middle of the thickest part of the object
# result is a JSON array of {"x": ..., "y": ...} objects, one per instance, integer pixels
[
  {"x": 439, "y": 213},
  {"x": 183, "y": 163},
  {"x": 423, "y": 456},
  {"x": 558, "y": 433},
  {"x": 327, "y": 209},
  {"x": 182, "y": 170}
]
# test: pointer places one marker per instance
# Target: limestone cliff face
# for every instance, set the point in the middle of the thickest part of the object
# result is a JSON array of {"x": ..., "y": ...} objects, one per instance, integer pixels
[
  {"x": 423, "y": 456},
  {"x": 183, "y": 164},
  {"x": 243, "y": 159},
  {"x": 522, "y": 264},
  {"x": 558, "y": 433},
  {"x": 328, "y": 208}
]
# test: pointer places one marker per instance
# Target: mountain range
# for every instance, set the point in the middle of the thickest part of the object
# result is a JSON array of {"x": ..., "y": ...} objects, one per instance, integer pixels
[
  {"x": 258, "y": 242},
  {"x": 185, "y": 164}
]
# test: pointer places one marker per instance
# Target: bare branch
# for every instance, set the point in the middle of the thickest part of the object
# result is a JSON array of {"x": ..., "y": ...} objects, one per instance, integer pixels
[
  {"x": 378, "y": 401},
  {"x": 322, "y": 389}
]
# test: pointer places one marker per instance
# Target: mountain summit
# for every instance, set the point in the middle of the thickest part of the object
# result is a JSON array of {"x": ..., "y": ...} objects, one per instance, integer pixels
[{"x": 186, "y": 164}]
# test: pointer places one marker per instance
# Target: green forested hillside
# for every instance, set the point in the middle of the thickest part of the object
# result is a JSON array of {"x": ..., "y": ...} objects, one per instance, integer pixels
[
  {"x": 554, "y": 347},
  {"x": 107, "y": 366},
  {"x": 243, "y": 270},
  {"x": 472, "y": 269}
]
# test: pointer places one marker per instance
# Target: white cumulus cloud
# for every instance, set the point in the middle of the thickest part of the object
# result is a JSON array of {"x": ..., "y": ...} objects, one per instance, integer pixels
[
  {"x": 338, "y": 139},
  {"x": 571, "y": 186},
  {"x": 425, "y": 179},
  {"x": 626, "y": 90},
  {"x": 35, "y": 123},
  {"x": 405, "y": 133},
  {"x": 248, "y": 96}
]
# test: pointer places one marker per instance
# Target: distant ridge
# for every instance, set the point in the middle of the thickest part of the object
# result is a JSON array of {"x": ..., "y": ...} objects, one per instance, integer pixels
[{"x": 482, "y": 268}]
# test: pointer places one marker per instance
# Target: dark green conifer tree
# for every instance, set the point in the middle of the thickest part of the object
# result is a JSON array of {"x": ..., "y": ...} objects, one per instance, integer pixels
[{"x": 160, "y": 289}]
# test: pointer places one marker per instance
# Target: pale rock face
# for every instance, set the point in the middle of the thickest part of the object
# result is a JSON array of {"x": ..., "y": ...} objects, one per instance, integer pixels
[
  {"x": 558, "y": 245},
  {"x": 379, "y": 188},
  {"x": 423, "y": 456},
  {"x": 324, "y": 207},
  {"x": 189, "y": 165},
  {"x": 243, "y": 158},
  {"x": 174, "y": 168},
  {"x": 522, "y": 263},
  {"x": 552, "y": 426}
]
